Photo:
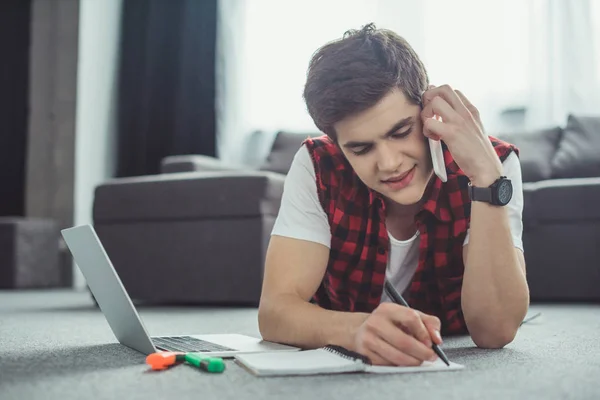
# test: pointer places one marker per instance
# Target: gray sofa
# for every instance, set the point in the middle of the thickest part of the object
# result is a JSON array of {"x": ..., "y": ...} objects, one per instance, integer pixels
[{"x": 197, "y": 232}]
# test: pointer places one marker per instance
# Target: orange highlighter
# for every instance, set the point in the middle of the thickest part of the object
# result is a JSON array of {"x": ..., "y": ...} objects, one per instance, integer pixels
[{"x": 163, "y": 360}]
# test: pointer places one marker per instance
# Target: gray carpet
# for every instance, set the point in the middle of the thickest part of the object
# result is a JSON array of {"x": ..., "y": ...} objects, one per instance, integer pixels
[{"x": 56, "y": 345}]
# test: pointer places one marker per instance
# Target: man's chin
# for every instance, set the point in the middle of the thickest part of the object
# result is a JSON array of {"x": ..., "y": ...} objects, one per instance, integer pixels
[
  {"x": 405, "y": 200},
  {"x": 406, "y": 197}
]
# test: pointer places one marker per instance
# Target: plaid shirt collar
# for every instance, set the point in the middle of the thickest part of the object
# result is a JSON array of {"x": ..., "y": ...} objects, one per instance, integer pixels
[{"x": 435, "y": 203}]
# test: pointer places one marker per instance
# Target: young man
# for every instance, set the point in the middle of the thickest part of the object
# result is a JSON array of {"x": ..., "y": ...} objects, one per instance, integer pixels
[{"x": 362, "y": 204}]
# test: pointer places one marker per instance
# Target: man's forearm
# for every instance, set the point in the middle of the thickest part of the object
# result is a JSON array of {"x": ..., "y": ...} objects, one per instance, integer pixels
[
  {"x": 495, "y": 296},
  {"x": 288, "y": 319}
]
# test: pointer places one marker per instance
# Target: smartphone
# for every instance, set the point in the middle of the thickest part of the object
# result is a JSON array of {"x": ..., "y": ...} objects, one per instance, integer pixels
[{"x": 437, "y": 157}]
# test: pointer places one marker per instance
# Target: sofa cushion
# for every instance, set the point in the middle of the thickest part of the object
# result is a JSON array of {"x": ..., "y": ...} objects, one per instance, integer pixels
[
  {"x": 284, "y": 147},
  {"x": 195, "y": 162},
  {"x": 536, "y": 150},
  {"x": 578, "y": 155}
]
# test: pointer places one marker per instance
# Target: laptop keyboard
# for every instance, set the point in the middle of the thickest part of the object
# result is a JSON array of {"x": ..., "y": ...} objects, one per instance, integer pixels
[{"x": 187, "y": 343}]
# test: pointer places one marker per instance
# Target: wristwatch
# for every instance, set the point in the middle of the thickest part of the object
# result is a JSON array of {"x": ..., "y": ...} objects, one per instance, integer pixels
[{"x": 498, "y": 193}]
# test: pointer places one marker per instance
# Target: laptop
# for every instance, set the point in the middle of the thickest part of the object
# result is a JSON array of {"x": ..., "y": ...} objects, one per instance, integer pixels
[{"x": 116, "y": 305}]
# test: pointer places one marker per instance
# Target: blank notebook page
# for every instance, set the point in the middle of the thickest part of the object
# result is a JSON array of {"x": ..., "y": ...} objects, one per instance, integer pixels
[
  {"x": 426, "y": 366},
  {"x": 301, "y": 362},
  {"x": 319, "y": 361}
]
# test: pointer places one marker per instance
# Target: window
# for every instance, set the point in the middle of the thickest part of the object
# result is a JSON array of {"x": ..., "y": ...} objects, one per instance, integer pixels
[{"x": 502, "y": 54}]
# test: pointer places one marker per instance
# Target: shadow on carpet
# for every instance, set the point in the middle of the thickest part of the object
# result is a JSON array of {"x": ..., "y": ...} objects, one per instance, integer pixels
[{"x": 66, "y": 361}]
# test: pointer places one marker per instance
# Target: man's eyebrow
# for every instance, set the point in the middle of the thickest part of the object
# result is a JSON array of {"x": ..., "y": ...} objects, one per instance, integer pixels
[{"x": 398, "y": 125}]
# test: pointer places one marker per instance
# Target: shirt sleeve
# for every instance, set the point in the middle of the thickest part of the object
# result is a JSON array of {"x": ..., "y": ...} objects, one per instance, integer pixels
[
  {"x": 301, "y": 215},
  {"x": 512, "y": 170}
]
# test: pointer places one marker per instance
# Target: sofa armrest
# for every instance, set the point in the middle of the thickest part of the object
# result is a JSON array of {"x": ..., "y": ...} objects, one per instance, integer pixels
[
  {"x": 561, "y": 224},
  {"x": 568, "y": 200},
  {"x": 223, "y": 194},
  {"x": 195, "y": 162}
]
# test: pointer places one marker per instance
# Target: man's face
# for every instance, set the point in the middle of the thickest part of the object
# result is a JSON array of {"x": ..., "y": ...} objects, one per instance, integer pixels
[{"x": 386, "y": 148}]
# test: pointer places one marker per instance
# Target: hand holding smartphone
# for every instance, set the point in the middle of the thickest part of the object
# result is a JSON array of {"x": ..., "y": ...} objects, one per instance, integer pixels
[{"x": 437, "y": 157}]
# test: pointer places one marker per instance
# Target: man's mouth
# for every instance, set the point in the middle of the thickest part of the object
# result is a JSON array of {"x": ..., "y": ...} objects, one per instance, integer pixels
[
  {"x": 398, "y": 178},
  {"x": 401, "y": 181}
]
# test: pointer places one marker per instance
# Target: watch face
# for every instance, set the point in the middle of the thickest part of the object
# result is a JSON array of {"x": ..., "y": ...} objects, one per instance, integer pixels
[{"x": 504, "y": 192}]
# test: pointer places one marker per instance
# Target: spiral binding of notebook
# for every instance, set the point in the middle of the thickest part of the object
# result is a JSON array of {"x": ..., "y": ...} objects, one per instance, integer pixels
[{"x": 347, "y": 354}]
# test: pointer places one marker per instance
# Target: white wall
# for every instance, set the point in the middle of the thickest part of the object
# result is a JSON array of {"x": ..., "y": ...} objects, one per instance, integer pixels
[{"x": 99, "y": 29}]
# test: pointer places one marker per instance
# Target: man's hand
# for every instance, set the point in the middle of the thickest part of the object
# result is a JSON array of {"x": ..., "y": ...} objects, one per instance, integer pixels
[
  {"x": 462, "y": 131},
  {"x": 396, "y": 335}
]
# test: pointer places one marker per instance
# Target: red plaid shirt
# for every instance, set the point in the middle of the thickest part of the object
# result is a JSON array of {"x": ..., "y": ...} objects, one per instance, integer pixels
[{"x": 360, "y": 244}]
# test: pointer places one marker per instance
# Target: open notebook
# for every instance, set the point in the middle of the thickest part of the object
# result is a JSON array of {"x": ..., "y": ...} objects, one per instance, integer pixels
[{"x": 326, "y": 360}]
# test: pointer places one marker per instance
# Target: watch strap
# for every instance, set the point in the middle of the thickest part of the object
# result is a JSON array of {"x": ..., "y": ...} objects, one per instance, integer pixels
[{"x": 481, "y": 193}]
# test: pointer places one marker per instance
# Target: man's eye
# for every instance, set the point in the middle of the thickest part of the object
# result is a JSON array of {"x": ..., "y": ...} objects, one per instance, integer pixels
[
  {"x": 400, "y": 135},
  {"x": 361, "y": 150}
]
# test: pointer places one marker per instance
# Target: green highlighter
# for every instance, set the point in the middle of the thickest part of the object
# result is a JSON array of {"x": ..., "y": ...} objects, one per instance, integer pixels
[{"x": 209, "y": 364}]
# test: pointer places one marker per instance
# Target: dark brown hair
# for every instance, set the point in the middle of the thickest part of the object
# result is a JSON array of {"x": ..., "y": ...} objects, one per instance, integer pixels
[{"x": 352, "y": 74}]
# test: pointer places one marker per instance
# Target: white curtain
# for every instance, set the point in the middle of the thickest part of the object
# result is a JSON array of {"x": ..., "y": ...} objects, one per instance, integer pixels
[
  {"x": 231, "y": 126},
  {"x": 565, "y": 60},
  {"x": 500, "y": 53}
]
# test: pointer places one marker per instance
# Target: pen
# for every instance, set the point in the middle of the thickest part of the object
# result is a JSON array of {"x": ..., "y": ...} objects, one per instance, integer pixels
[{"x": 398, "y": 299}]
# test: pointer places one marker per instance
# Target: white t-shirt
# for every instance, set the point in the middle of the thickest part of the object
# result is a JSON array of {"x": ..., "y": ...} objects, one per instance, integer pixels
[{"x": 301, "y": 216}]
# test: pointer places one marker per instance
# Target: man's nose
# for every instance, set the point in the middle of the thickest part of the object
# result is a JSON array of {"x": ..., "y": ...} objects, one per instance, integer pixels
[{"x": 388, "y": 160}]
